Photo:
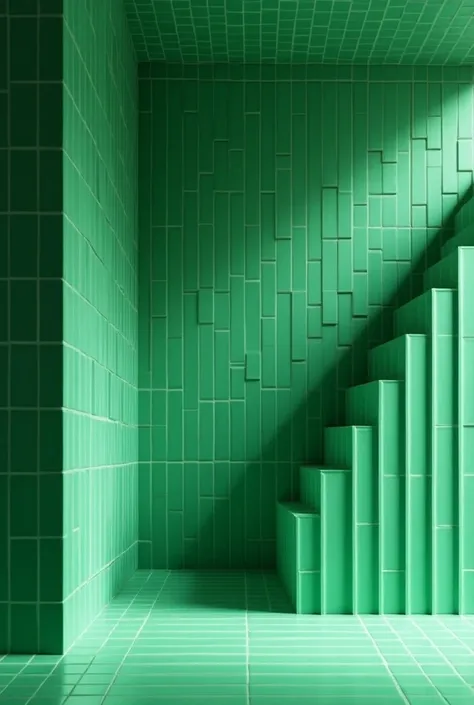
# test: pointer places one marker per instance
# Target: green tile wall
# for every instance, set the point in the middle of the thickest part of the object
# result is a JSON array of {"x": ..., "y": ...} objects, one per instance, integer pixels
[
  {"x": 100, "y": 309},
  {"x": 30, "y": 322},
  {"x": 284, "y": 213}
]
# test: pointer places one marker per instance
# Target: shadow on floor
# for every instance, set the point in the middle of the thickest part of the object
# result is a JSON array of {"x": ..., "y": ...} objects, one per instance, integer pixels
[{"x": 227, "y": 591}]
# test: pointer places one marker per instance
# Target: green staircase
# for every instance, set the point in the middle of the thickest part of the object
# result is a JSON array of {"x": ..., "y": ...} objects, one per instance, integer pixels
[{"x": 386, "y": 526}]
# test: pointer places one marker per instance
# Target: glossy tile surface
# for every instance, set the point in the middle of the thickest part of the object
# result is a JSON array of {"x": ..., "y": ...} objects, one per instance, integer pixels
[
  {"x": 31, "y": 325},
  {"x": 100, "y": 296},
  {"x": 227, "y": 639},
  {"x": 329, "y": 31},
  {"x": 301, "y": 209}
]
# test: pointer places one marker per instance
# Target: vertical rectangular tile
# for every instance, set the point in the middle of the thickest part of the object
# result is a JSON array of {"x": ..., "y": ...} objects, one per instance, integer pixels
[{"x": 336, "y": 564}]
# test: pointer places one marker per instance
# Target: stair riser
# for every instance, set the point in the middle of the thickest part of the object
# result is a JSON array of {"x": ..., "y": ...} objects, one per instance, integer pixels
[
  {"x": 383, "y": 406},
  {"x": 336, "y": 543},
  {"x": 465, "y": 496},
  {"x": 365, "y": 528},
  {"x": 465, "y": 216},
  {"x": 299, "y": 559},
  {"x": 310, "y": 488},
  {"x": 357, "y": 447},
  {"x": 437, "y": 309},
  {"x": 443, "y": 274},
  {"x": 418, "y": 481},
  {"x": 338, "y": 443},
  {"x": 286, "y": 552},
  {"x": 464, "y": 238},
  {"x": 407, "y": 359}
]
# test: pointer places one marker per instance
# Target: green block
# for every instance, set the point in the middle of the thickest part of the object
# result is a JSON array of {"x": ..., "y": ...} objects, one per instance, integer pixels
[
  {"x": 465, "y": 426},
  {"x": 464, "y": 216},
  {"x": 443, "y": 274},
  {"x": 310, "y": 486},
  {"x": 464, "y": 237},
  {"x": 381, "y": 404},
  {"x": 355, "y": 447},
  {"x": 435, "y": 310},
  {"x": 406, "y": 358},
  {"x": 298, "y": 555},
  {"x": 336, "y": 542}
]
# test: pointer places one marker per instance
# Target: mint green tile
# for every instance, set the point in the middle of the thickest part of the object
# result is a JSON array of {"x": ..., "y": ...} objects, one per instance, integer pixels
[
  {"x": 206, "y": 306},
  {"x": 252, "y": 366}
]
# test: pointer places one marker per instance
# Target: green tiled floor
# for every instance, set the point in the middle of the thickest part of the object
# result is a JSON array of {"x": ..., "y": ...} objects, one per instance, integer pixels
[{"x": 229, "y": 638}]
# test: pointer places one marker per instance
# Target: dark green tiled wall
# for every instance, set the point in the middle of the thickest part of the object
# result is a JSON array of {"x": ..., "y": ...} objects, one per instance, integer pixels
[
  {"x": 100, "y": 308},
  {"x": 284, "y": 213},
  {"x": 30, "y": 325}
]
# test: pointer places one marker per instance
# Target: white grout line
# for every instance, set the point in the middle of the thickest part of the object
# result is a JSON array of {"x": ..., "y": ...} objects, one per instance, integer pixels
[
  {"x": 132, "y": 641},
  {"x": 432, "y": 643},
  {"x": 385, "y": 663}
]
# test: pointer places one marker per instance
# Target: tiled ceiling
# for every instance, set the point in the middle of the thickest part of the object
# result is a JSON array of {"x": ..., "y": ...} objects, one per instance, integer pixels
[{"x": 301, "y": 31}]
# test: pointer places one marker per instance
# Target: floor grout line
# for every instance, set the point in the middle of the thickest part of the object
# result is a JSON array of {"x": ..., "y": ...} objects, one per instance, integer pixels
[{"x": 217, "y": 638}]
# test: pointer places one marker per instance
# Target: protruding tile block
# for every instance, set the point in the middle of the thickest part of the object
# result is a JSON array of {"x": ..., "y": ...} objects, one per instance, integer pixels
[
  {"x": 356, "y": 447},
  {"x": 336, "y": 542},
  {"x": 299, "y": 555},
  {"x": 465, "y": 425},
  {"x": 381, "y": 404},
  {"x": 443, "y": 274},
  {"x": 435, "y": 313},
  {"x": 406, "y": 358},
  {"x": 431, "y": 313},
  {"x": 464, "y": 238}
]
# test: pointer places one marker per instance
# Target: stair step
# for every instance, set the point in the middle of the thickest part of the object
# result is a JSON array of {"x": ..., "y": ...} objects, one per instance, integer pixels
[
  {"x": 336, "y": 542},
  {"x": 446, "y": 272},
  {"x": 464, "y": 216},
  {"x": 443, "y": 274},
  {"x": 368, "y": 403},
  {"x": 432, "y": 313},
  {"x": 381, "y": 404},
  {"x": 339, "y": 445},
  {"x": 407, "y": 359},
  {"x": 464, "y": 238},
  {"x": 299, "y": 555},
  {"x": 329, "y": 491},
  {"x": 356, "y": 447},
  {"x": 390, "y": 360},
  {"x": 310, "y": 483}
]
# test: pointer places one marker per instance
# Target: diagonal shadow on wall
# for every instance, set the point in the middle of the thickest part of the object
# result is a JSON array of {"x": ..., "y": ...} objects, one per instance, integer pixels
[
  {"x": 200, "y": 514},
  {"x": 352, "y": 364}
]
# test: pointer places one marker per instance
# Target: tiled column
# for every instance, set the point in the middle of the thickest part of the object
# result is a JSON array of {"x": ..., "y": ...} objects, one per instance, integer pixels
[{"x": 30, "y": 326}]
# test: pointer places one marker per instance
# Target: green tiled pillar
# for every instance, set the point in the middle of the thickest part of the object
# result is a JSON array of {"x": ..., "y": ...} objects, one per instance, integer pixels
[
  {"x": 355, "y": 447},
  {"x": 406, "y": 358},
  {"x": 100, "y": 400},
  {"x": 68, "y": 312},
  {"x": 381, "y": 404},
  {"x": 31, "y": 549},
  {"x": 466, "y": 429},
  {"x": 435, "y": 314}
]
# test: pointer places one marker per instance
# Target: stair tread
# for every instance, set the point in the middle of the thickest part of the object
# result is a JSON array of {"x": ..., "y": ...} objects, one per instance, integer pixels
[
  {"x": 374, "y": 381},
  {"x": 394, "y": 340},
  {"x": 299, "y": 508},
  {"x": 424, "y": 294},
  {"x": 399, "y": 337},
  {"x": 326, "y": 468},
  {"x": 350, "y": 425}
]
